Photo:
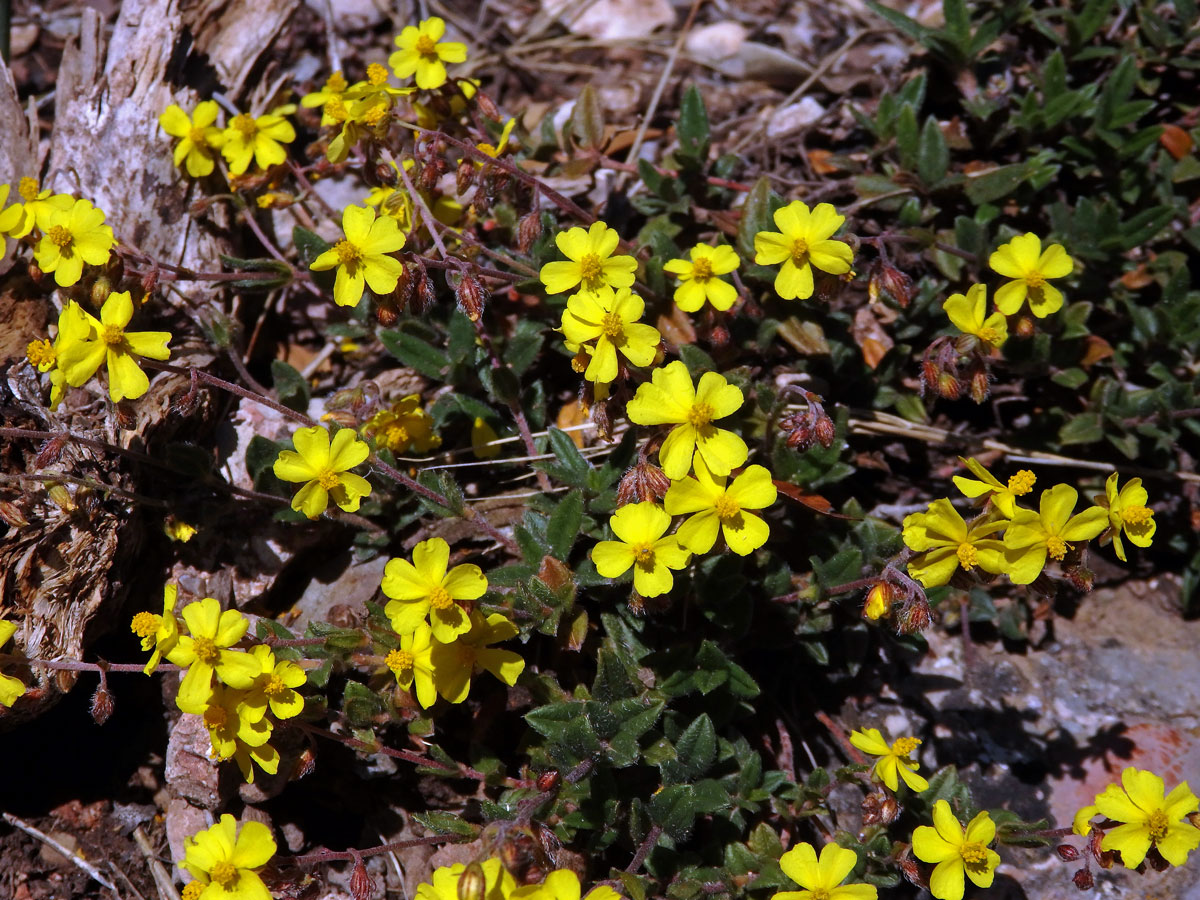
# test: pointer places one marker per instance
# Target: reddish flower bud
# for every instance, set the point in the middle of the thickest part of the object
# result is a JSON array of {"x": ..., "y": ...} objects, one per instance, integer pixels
[
  {"x": 642, "y": 482},
  {"x": 485, "y": 193},
  {"x": 1084, "y": 880},
  {"x": 1025, "y": 327},
  {"x": 529, "y": 229},
  {"x": 103, "y": 704},
  {"x": 915, "y": 616},
  {"x": 930, "y": 375},
  {"x": 11, "y": 514},
  {"x": 472, "y": 883},
  {"x": 361, "y": 885},
  {"x": 425, "y": 295},
  {"x": 465, "y": 176},
  {"x": 1067, "y": 852},
  {"x": 887, "y": 280},
  {"x": 487, "y": 106},
  {"x": 306, "y": 764},
  {"x": 429, "y": 174},
  {"x": 102, "y": 287},
  {"x": 879, "y": 809},
  {"x": 979, "y": 385},
  {"x": 912, "y": 872},
  {"x": 50, "y": 452},
  {"x": 472, "y": 296},
  {"x": 949, "y": 387},
  {"x": 387, "y": 311},
  {"x": 824, "y": 431},
  {"x": 548, "y": 781},
  {"x": 719, "y": 336}
]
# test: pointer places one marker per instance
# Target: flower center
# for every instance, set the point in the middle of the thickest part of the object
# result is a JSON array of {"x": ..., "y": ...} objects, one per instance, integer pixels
[
  {"x": 328, "y": 479},
  {"x": 643, "y": 555},
  {"x": 113, "y": 335},
  {"x": 1136, "y": 515},
  {"x": 1157, "y": 825},
  {"x": 702, "y": 269},
  {"x": 196, "y": 136},
  {"x": 440, "y": 599},
  {"x": 799, "y": 251},
  {"x": 700, "y": 415},
  {"x": 246, "y": 125},
  {"x": 40, "y": 353},
  {"x": 1035, "y": 280},
  {"x": 988, "y": 335},
  {"x": 336, "y": 83},
  {"x": 426, "y": 46},
  {"x": 215, "y": 717},
  {"x": 727, "y": 508},
  {"x": 612, "y": 326},
  {"x": 399, "y": 661},
  {"x": 145, "y": 624},
  {"x": 335, "y": 108},
  {"x": 396, "y": 436},
  {"x": 206, "y": 650},
  {"x": 590, "y": 269},
  {"x": 1057, "y": 547},
  {"x": 1021, "y": 483},
  {"x": 192, "y": 890},
  {"x": 348, "y": 254},
  {"x": 28, "y": 189},
  {"x": 60, "y": 236},
  {"x": 906, "y": 745},
  {"x": 375, "y": 114},
  {"x": 225, "y": 874},
  {"x": 274, "y": 688},
  {"x": 973, "y": 853},
  {"x": 968, "y": 557},
  {"x": 820, "y": 894},
  {"x": 377, "y": 74}
]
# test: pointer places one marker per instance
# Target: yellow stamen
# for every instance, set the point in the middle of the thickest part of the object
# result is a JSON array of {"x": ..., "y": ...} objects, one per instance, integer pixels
[
  {"x": 215, "y": 717},
  {"x": 145, "y": 624},
  {"x": 440, "y": 599},
  {"x": 1021, "y": 483},
  {"x": 1057, "y": 548},
  {"x": 328, "y": 479},
  {"x": 426, "y": 46},
  {"x": 274, "y": 688},
  {"x": 197, "y": 136},
  {"x": 612, "y": 326},
  {"x": 1136, "y": 515},
  {"x": 973, "y": 853},
  {"x": 348, "y": 254},
  {"x": 335, "y": 108},
  {"x": 375, "y": 114},
  {"x": 377, "y": 74},
  {"x": 336, "y": 83},
  {"x": 1157, "y": 825},
  {"x": 968, "y": 557},
  {"x": 113, "y": 335},
  {"x": 905, "y": 746},
  {"x": 726, "y": 508},
  {"x": 246, "y": 125},
  {"x": 192, "y": 890},
  {"x": 206, "y": 651},
  {"x": 28, "y": 189},
  {"x": 225, "y": 874},
  {"x": 700, "y": 415},
  {"x": 643, "y": 555},
  {"x": 591, "y": 270},
  {"x": 399, "y": 661},
  {"x": 396, "y": 437},
  {"x": 1035, "y": 280},
  {"x": 702, "y": 269},
  {"x": 988, "y": 335},
  {"x": 800, "y": 251},
  {"x": 41, "y": 353},
  {"x": 60, "y": 237}
]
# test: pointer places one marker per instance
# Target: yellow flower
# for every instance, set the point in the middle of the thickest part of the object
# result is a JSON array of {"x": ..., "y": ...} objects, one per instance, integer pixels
[
  {"x": 260, "y": 139},
  {"x": 643, "y": 544},
  {"x": 363, "y": 256},
  {"x": 698, "y": 279},
  {"x": 10, "y": 688},
  {"x": 483, "y": 438},
  {"x": 324, "y": 467},
  {"x": 239, "y": 730},
  {"x": 73, "y": 327},
  {"x": 226, "y": 861},
  {"x": 200, "y": 140},
  {"x": 1127, "y": 511},
  {"x": 879, "y": 601},
  {"x": 411, "y": 664},
  {"x": 494, "y": 150},
  {"x": 562, "y": 884},
  {"x": 969, "y": 315},
  {"x": 821, "y": 879},
  {"x": 109, "y": 341},
  {"x": 894, "y": 759},
  {"x": 498, "y": 884},
  {"x": 204, "y": 651},
  {"x": 421, "y": 53},
  {"x": 1031, "y": 537},
  {"x": 454, "y": 664},
  {"x": 74, "y": 236},
  {"x": 944, "y": 542},
  {"x": 956, "y": 852},
  {"x": 1003, "y": 496},
  {"x": 720, "y": 507},
  {"x": 424, "y": 589},
  {"x": 1149, "y": 819},
  {"x": 611, "y": 320},
  {"x": 159, "y": 632},
  {"x": 404, "y": 424},
  {"x": 36, "y": 209},
  {"x": 276, "y": 683},
  {"x": 803, "y": 241},
  {"x": 334, "y": 87},
  {"x": 671, "y": 399},
  {"x": 590, "y": 263},
  {"x": 178, "y": 530},
  {"x": 1023, "y": 260}
]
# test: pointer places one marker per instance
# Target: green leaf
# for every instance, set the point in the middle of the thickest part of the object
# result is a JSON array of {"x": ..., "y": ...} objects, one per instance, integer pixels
[
  {"x": 693, "y": 125},
  {"x": 933, "y": 157},
  {"x": 290, "y": 385},
  {"x": 523, "y": 346},
  {"x": 994, "y": 184},
  {"x": 696, "y": 749},
  {"x": 756, "y": 216},
  {"x": 415, "y": 353},
  {"x": 261, "y": 454},
  {"x": 587, "y": 119},
  {"x": 901, "y": 22},
  {"x": 308, "y": 244},
  {"x": 564, "y": 524},
  {"x": 569, "y": 466},
  {"x": 908, "y": 137},
  {"x": 1087, "y": 428},
  {"x": 360, "y": 704},
  {"x": 446, "y": 823}
]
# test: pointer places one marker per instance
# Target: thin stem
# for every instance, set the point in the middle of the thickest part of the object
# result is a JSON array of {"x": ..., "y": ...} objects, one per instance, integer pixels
[
  {"x": 213, "y": 380},
  {"x": 840, "y": 736},
  {"x": 643, "y": 851},
  {"x": 324, "y": 855},
  {"x": 51, "y": 477},
  {"x": 431, "y": 224}
]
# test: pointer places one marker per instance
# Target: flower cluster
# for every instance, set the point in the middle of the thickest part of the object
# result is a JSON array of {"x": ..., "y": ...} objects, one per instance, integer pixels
[
  {"x": 444, "y": 641},
  {"x": 232, "y": 689},
  {"x": 65, "y": 232},
  {"x": 1008, "y": 539},
  {"x": 245, "y": 139},
  {"x": 402, "y": 426}
]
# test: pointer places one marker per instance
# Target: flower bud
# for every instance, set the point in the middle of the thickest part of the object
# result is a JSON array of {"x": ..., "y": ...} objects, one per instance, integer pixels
[
  {"x": 879, "y": 601},
  {"x": 1083, "y": 879},
  {"x": 103, "y": 704},
  {"x": 642, "y": 482},
  {"x": 485, "y": 193},
  {"x": 879, "y": 809},
  {"x": 424, "y": 296},
  {"x": 948, "y": 386},
  {"x": 387, "y": 311},
  {"x": 361, "y": 885},
  {"x": 472, "y": 883},
  {"x": 429, "y": 174},
  {"x": 50, "y": 452},
  {"x": 1067, "y": 852},
  {"x": 471, "y": 296},
  {"x": 1025, "y": 327},
  {"x": 306, "y": 764},
  {"x": 102, "y": 287},
  {"x": 979, "y": 385},
  {"x": 930, "y": 374},
  {"x": 1081, "y": 578},
  {"x": 719, "y": 336},
  {"x": 824, "y": 431},
  {"x": 465, "y": 176},
  {"x": 916, "y": 616},
  {"x": 887, "y": 280},
  {"x": 529, "y": 229},
  {"x": 548, "y": 781},
  {"x": 11, "y": 515},
  {"x": 487, "y": 106},
  {"x": 911, "y": 871}
]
